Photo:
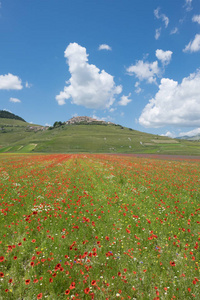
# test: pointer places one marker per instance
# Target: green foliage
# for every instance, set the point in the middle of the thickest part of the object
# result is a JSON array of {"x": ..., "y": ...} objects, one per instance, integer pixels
[
  {"x": 58, "y": 124},
  {"x": 8, "y": 115}
]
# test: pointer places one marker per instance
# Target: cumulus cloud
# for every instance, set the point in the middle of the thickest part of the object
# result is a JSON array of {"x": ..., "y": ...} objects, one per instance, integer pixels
[
  {"x": 15, "y": 100},
  {"x": 163, "y": 17},
  {"x": 190, "y": 133},
  {"x": 158, "y": 33},
  {"x": 164, "y": 56},
  {"x": 196, "y": 18},
  {"x": 104, "y": 47},
  {"x": 169, "y": 134},
  {"x": 194, "y": 45},
  {"x": 107, "y": 118},
  {"x": 144, "y": 70},
  {"x": 174, "y": 104},
  {"x": 125, "y": 100},
  {"x": 10, "y": 82},
  {"x": 88, "y": 86}
]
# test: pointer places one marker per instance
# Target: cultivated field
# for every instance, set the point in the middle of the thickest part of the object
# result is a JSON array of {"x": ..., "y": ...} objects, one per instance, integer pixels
[{"x": 99, "y": 227}]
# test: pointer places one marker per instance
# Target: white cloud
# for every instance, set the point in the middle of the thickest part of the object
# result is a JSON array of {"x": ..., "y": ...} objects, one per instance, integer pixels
[
  {"x": 107, "y": 119},
  {"x": 196, "y": 18},
  {"x": 158, "y": 33},
  {"x": 190, "y": 133},
  {"x": 88, "y": 86},
  {"x": 112, "y": 109},
  {"x": 188, "y": 5},
  {"x": 163, "y": 17},
  {"x": 164, "y": 56},
  {"x": 145, "y": 71},
  {"x": 15, "y": 100},
  {"x": 138, "y": 88},
  {"x": 104, "y": 47},
  {"x": 125, "y": 100},
  {"x": 194, "y": 45},
  {"x": 174, "y": 31},
  {"x": 174, "y": 104},
  {"x": 169, "y": 134},
  {"x": 10, "y": 82},
  {"x": 28, "y": 85}
]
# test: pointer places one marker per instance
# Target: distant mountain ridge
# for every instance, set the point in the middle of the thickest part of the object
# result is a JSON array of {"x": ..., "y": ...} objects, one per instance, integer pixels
[
  {"x": 190, "y": 138},
  {"x": 8, "y": 115}
]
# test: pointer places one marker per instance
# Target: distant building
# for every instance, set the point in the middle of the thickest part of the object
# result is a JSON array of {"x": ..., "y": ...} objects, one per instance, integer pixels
[{"x": 85, "y": 119}]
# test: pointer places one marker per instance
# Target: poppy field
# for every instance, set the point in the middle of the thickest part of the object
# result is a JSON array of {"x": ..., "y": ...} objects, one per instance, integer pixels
[{"x": 99, "y": 227}]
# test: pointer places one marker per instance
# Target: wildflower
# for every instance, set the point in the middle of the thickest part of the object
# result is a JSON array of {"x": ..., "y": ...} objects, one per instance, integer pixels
[
  {"x": 27, "y": 281},
  {"x": 67, "y": 292},
  {"x": 87, "y": 290},
  {"x": 72, "y": 286},
  {"x": 172, "y": 263},
  {"x": 2, "y": 258},
  {"x": 39, "y": 296}
]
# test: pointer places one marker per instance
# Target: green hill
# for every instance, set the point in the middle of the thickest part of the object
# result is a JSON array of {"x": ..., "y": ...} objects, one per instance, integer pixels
[
  {"x": 21, "y": 137},
  {"x": 8, "y": 115}
]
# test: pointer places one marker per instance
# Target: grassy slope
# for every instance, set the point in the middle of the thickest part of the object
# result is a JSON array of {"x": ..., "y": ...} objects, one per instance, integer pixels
[{"x": 88, "y": 138}]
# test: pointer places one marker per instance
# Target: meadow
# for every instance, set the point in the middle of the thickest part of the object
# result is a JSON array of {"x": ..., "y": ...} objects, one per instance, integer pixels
[{"x": 96, "y": 226}]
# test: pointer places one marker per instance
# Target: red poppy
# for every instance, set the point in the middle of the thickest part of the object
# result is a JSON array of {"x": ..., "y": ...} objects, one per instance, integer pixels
[
  {"x": 15, "y": 257},
  {"x": 1, "y": 274},
  {"x": 35, "y": 280},
  {"x": 72, "y": 286},
  {"x": 93, "y": 282},
  {"x": 2, "y": 258},
  {"x": 39, "y": 296},
  {"x": 67, "y": 292},
  {"x": 10, "y": 280},
  {"x": 50, "y": 279},
  {"x": 86, "y": 291},
  {"x": 27, "y": 281},
  {"x": 33, "y": 241},
  {"x": 172, "y": 263},
  {"x": 6, "y": 290}
]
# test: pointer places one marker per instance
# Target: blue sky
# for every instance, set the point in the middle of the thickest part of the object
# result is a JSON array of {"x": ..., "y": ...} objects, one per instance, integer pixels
[{"x": 135, "y": 63}]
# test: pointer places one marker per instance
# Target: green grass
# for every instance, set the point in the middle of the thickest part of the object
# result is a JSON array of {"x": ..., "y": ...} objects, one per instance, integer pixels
[
  {"x": 98, "y": 227},
  {"x": 90, "y": 139}
]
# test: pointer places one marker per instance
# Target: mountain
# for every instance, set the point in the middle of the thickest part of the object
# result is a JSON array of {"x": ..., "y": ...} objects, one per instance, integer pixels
[
  {"x": 190, "y": 138},
  {"x": 86, "y": 135}
]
